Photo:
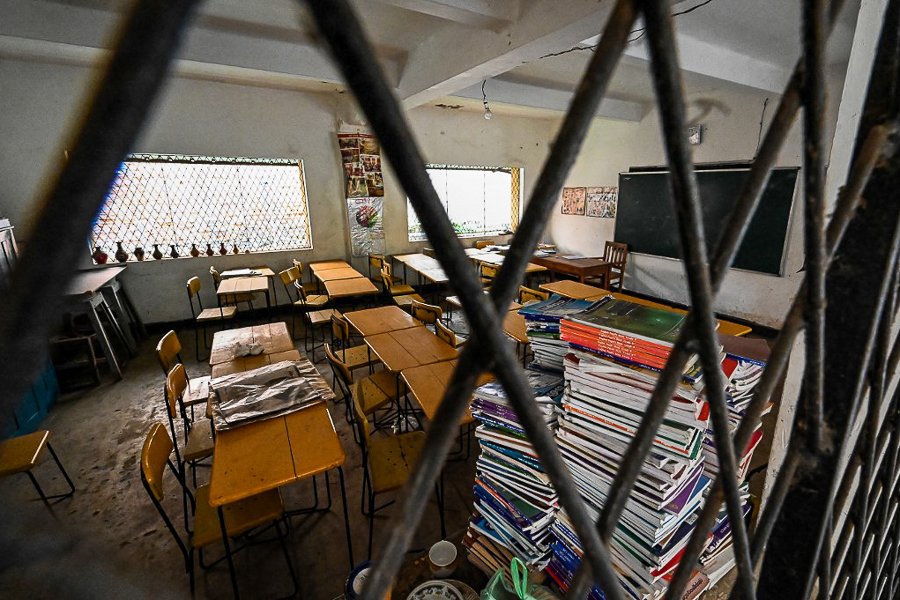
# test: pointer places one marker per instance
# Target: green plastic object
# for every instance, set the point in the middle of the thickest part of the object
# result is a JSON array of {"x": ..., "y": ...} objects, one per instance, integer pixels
[{"x": 498, "y": 589}]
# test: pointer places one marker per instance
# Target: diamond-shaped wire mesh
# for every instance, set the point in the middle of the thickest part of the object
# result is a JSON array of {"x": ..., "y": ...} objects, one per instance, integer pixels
[{"x": 164, "y": 200}]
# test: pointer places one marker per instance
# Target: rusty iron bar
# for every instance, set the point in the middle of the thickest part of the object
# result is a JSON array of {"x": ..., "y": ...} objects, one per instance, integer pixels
[
  {"x": 868, "y": 260},
  {"x": 146, "y": 42},
  {"x": 813, "y": 98},
  {"x": 338, "y": 25},
  {"x": 845, "y": 208},
  {"x": 726, "y": 249},
  {"x": 686, "y": 194}
]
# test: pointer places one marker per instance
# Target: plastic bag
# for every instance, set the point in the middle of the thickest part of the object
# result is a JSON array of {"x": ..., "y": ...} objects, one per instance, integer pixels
[{"x": 498, "y": 589}]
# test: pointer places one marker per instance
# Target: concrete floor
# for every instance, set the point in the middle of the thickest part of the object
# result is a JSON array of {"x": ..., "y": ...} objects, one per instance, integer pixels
[{"x": 109, "y": 540}]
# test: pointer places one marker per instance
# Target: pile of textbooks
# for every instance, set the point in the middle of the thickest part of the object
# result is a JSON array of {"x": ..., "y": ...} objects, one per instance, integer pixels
[
  {"x": 515, "y": 504},
  {"x": 617, "y": 349},
  {"x": 542, "y": 328}
]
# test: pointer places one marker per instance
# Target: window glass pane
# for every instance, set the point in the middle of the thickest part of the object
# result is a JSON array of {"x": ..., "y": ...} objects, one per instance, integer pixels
[{"x": 259, "y": 205}]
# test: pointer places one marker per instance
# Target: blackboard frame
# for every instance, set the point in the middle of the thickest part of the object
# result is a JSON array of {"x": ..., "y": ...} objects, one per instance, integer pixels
[{"x": 647, "y": 203}]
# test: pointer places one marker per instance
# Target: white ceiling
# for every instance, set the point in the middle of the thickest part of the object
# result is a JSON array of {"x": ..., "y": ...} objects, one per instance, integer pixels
[{"x": 439, "y": 51}]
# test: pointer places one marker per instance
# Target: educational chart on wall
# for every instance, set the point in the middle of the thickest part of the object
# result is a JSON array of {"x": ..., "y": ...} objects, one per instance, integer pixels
[
  {"x": 601, "y": 202},
  {"x": 573, "y": 200},
  {"x": 364, "y": 189}
]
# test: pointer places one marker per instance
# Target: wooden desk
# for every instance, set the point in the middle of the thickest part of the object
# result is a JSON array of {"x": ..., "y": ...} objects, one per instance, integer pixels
[
  {"x": 85, "y": 296},
  {"x": 327, "y": 265},
  {"x": 577, "y": 267},
  {"x": 493, "y": 258},
  {"x": 348, "y": 288},
  {"x": 514, "y": 326},
  {"x": 335, "y": 274},
  {"x": 245, "y": 285},
  {"x": 273, "y": 337},
  {"x": 574, "y": 290},
  {"x": 407, "y": 348},
  {"x": 383, "y": 319},
  {"x": 454, "y": 301},
  {"x": 427, "y": 383},
  {"x": 265, "y": 455},
  {"x": 238, "y": 365}
]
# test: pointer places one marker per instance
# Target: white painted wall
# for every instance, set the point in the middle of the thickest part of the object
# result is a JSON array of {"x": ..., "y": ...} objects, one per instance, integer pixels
[
  {"x": 206, "y": 118},
  {"x": 730, "y": 134}
]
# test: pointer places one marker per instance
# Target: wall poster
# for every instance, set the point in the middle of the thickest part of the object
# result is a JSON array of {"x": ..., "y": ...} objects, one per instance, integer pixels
[
  {"x": 602, "y": 201},
  {"x": 573, "y": 201},
  {"x": 364, "y": 189}
]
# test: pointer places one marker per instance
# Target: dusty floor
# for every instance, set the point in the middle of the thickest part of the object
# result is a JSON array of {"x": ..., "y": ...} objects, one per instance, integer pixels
[{"x": 109, "y": 541}]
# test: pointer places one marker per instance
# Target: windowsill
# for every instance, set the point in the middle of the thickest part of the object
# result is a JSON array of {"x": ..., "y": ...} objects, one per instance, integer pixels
[
  {"x": 166, "y": 258},
  {"x": 465, "y": 236}
]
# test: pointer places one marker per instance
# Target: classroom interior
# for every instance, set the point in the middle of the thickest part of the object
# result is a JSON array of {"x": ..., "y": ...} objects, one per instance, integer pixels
[{"x": 257, "y": 227}]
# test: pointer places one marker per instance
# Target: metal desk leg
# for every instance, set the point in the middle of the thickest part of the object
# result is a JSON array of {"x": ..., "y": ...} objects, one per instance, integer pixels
[
  {"x": 234, "y": 584},
  {"x": 346, "y": 516},
  {"x": 120, "y": 315},
  {"x": 92, "y": 303}
]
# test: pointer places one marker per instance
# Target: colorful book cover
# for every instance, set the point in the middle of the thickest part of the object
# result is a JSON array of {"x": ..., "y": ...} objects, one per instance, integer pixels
[{"x": 644, "y": 322}]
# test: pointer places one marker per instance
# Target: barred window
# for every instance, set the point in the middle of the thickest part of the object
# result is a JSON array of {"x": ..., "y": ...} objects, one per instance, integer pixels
[
  {"x": 259, "y": 205},
  {"x": 478, "y": 200}
]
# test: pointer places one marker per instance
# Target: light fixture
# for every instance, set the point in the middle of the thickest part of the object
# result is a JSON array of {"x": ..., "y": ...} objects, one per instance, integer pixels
[{"x": 487, "y": 108}]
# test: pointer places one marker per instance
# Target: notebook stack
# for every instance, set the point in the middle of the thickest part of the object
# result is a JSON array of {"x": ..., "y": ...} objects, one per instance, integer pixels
[
  {"x": 515, "y": 503},
  {"x": 542, "y": 328},
  {"x": 617, "y": 348}
]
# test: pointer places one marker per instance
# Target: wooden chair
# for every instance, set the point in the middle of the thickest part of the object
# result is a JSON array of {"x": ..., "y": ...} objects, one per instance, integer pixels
[
  {"x": 387, "y": 463},
  {"x": 530, "y": 295},
  {"x": 447, "y": 335},
  {"x": 483, "y": 243},
  {"x": 199, "y": 439},
  {"x": 241, "y": 517},
  {"x": 488, "y": 273},
  {"x": 230, "y": 299},
  {"x": 426, "y": 314},
  {"x": 394, "y": 289},
  {"x": 168, "y": 353},
  {"x": 355, "y": 357},
  {"x": 616, "y": 253},
  {"x": 310, "y": 287},
  {"x": 22, "y": 454},
  {"x": 378, "y": 261},
  {"x": 378, "y": 391},
  {"x": 311, "y": 307},
  {"x": 203, "y": 316}
]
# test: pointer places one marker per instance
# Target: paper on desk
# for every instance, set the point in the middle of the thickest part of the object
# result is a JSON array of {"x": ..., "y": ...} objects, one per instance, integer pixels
[{"x": 266, "y": 392}]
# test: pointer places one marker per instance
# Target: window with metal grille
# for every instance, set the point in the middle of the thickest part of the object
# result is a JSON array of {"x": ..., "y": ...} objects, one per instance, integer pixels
[
  {"x": 478, "y": 200},
  {"x": 258, "y": 205}
]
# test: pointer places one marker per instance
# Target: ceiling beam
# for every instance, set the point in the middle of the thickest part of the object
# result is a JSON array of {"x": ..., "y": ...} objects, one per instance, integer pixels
[
  {"x": 523, "y": 94},
  {"x": 490, "y": 14},
  {"x": 454, "y": 59}
]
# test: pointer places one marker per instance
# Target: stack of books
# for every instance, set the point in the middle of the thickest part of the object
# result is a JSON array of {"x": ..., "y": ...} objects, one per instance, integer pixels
[
  {"x": 515, "y": 504},
  {"x": 611, "y": 371},
  {"x": 542, "y": 328}
]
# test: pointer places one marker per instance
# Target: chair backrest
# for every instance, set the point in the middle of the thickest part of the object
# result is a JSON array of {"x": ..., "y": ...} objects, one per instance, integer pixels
[
  {"x": 616, "y": 253},
  {"x": 445, "y": 334},
  {"x": 428, "y": 314},
  {"x": 154, "y": 457},
  {"x": 176, "y": 384},
  {"x": 375, "y": 260},
  {"x": 386, "y": 276},
  {"x": 289, "y": 276},
  {"x": 298, "y": 286},
  {"x": 528, "y": 294},
  {"x": 489, "y": 271},
  {"x": 299, "y": 266},
  {"x": 217, "y": 278},
  {"x": 483, "y": 243},
  {"x": 360, "y": 420},
  {"x": 168, "y": 351},
  {"x": 340, "y": 328},
  {"x": 193, "y": 286},
  {"x": 341, "y": 369}
]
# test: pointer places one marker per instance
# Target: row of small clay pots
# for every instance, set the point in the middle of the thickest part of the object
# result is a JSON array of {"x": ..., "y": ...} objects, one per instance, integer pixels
[{"x": 100, "y": 257}]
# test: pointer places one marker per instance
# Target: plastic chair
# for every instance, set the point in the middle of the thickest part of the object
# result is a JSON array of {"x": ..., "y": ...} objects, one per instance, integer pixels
[
  {"x": 241, "y": 517},
  {"x": 199, "y": 437},
  {"x": 22, "y": 454},
  {"x": 202, "y": 316},
  {"x": 230, "y": 299},
  {"x": 387, "y": 463}
]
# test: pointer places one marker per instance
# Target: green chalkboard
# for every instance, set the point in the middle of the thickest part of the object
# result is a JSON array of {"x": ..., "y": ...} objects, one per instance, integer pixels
[{"x": 645, "y": 218}]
